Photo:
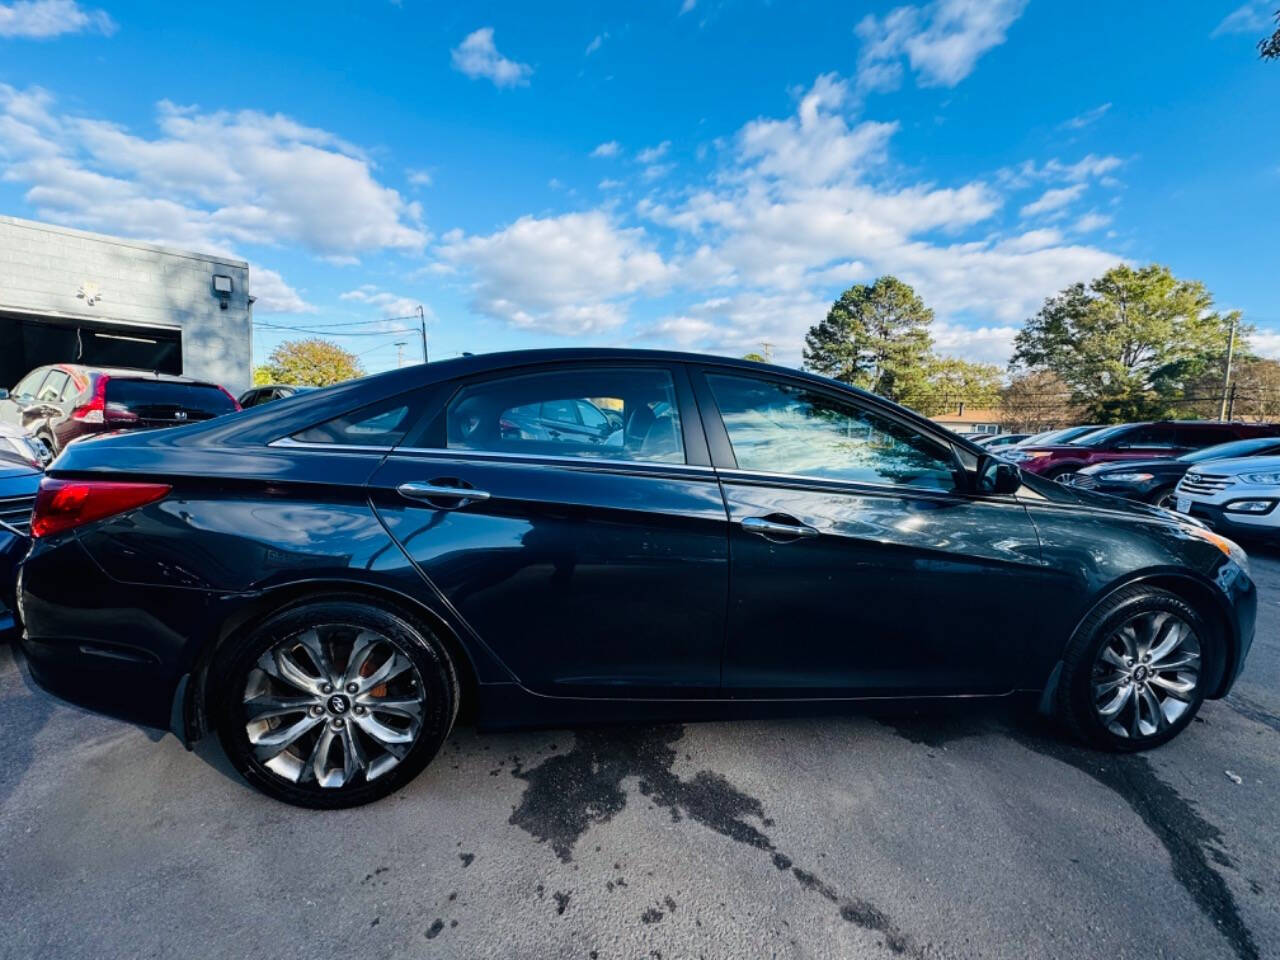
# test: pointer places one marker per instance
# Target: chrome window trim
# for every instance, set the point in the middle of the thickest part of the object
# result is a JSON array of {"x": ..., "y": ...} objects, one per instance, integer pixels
[
  {"x": 857, "y": 487},
  {"x": 291, "y": 443},
  {"x": 553, "y": 459}
]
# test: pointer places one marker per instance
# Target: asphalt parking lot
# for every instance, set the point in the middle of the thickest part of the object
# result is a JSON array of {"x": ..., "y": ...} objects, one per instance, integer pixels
[{"x": 970, "y": 834}]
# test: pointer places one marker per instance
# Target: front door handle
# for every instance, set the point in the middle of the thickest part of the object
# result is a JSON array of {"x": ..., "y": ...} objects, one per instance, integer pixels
[
  {"x": 440, "y": 491},
  {"x": 776, "y": 528}
]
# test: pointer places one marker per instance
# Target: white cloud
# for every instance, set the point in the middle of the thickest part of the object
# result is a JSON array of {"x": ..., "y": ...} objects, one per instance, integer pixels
[
  {"x": 687, "y": 6},
  {"x": 610, "y": 148},
  {"x": 942, "y": 41},
  {"x": 1090, "y": 167},
  {"x": 477, "y": 56},
  {"x": 1266, "y": 343},
  {"x": 570, "y": 274},
  {"x": 272, "y": 295},
  {"x": 596, "y": 43},
  {"x": 738, "y": 324},
  {"x": 607, "y": 184},
  {"x": 420, "y": 178},
  {"x": 1091, "y": 221},
  {"x": 1053, "y": 201},
  {"x": 390, "y": 305},
  {"x": 43, "y": 19},
  {"x": 1082, "y": 120},
  {"x": 655, "y": 153},
  {"x": 1251, "y": 17},
  {"x": 208, "y": 181},
  {"x": 982, "y": 344}
]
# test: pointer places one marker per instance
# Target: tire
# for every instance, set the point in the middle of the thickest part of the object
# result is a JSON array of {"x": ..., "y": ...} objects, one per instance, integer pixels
[
  {"x": 346, "y": 743},
  {"x": 47, "y": 440},
  {"x": 1057, "y": 473},
  {"x": 1092, "y": 680}
]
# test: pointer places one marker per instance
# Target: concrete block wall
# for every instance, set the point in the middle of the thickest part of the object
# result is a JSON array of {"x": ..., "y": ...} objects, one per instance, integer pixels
[{"x": 43, "y": 267}]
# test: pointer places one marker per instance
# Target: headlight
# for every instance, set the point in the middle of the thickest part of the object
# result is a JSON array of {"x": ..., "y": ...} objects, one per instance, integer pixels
[
  {"x": 1262, "y": 479},
  {"x": 1127, "y": 477},
  {"x": 1232, "y": 549},
  {"x": 1019, "y": 456}
]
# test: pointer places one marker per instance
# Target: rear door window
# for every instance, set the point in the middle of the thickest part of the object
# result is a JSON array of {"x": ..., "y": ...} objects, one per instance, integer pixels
[
  {"x": 52, "y": 387},
  {"x": 562, "y": 414},
  {"x": 165, "y": 400},
  {"x": 1194, "y": 438}
]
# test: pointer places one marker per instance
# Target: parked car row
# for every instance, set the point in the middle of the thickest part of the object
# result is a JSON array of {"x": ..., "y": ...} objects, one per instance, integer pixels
[{"x": 1224, "y": 474}]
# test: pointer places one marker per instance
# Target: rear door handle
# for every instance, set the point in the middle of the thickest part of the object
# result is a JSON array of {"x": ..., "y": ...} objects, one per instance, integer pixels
[
  {"x": 775, "y": 528},
  {"x": 439, "y": 491}
]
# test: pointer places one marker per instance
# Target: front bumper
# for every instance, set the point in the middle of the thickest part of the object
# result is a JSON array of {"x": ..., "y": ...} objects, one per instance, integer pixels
[
  {"x": 1247, "y": 525},
  {"x": 1127, "y": 491}
]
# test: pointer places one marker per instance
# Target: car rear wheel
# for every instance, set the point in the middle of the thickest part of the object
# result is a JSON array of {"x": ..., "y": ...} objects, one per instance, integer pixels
[
  {"x": 1134, "y": 674},
  {"x": 1057, "y": 473},
  {"x": 335, "y": 703}
]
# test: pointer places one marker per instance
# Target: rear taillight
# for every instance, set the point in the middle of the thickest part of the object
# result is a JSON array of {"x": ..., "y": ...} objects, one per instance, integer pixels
[
  {"x": 95, "y": 410},
  {"x": 65, "y": 504}
]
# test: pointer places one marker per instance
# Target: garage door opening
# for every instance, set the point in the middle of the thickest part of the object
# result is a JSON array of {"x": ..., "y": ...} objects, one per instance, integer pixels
[{"x": 30, "y": 342}]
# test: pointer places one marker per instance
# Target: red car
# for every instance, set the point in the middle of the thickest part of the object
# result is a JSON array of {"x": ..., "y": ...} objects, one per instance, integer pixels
[
  {"x": 1133, "y": 441},
  {"x": 63, "y": 402}
]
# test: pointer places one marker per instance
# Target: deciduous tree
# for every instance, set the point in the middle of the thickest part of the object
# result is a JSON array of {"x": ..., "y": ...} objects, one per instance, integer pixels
[
  {"x": 313, "y": 362},
  {"x": 1129, "y": 343}
]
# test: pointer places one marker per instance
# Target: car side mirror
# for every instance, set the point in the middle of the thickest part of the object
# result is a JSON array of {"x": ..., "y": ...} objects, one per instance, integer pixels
[{"x": 994, "y": 475}]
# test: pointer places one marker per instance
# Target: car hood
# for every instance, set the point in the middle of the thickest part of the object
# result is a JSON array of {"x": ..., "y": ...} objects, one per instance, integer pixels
[
  {"x": 1168, "y": 465},
  {"x": 1076, "y": 496},
  {"x": 1237, "y": 465}
]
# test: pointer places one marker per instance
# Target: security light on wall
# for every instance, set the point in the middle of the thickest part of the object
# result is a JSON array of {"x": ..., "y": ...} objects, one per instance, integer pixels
[{"x": 222, "y": 289}]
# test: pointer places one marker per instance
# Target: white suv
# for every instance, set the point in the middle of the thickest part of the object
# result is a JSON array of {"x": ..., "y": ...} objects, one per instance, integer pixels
[{"x": 1237, "y": 496}]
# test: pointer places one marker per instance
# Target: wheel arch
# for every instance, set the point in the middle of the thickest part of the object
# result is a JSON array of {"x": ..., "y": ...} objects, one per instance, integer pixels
[
  {"x": 190, "y": 719},
  {"x": 1200, "y": 594}
]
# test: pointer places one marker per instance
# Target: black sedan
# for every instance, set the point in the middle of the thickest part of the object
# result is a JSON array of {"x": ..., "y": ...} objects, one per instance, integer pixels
[
  {"x": 326, "y": 581},
  {"x": 1154, "y": 480}
]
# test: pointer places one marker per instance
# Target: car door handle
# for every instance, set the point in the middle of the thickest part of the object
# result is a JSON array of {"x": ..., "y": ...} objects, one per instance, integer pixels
[
  {"x": 775, "y": 528},
  {"x": 436, "y": 491}
]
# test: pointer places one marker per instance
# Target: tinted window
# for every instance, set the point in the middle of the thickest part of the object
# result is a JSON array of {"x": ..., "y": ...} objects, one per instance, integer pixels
[
  {"x": 382, "y": 424},
  {"x": 1197, "y": 437},
  {"x": 51, "y": 389},
  {"x": 166, "y": 400},
  {"x": 780, "y": 428},
  {"x": 1161, "y": 436},
  {"x": 71, "y": 389},
  {"x": 496, "y": 415}
]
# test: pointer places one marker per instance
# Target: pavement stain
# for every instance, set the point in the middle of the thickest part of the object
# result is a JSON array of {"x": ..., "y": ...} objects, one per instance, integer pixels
[
  {"x": 1189, "y": 839},
  {"x": 566, "y": 794}
]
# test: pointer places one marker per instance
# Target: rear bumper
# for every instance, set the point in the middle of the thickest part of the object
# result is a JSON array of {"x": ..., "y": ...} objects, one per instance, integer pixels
[{"x": 112, "y": 647}]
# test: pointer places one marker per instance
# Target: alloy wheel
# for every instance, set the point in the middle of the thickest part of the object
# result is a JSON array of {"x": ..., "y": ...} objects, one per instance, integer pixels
[
  {"x": 332, "y": 705},
  {"x": 1145, "y": 675}
]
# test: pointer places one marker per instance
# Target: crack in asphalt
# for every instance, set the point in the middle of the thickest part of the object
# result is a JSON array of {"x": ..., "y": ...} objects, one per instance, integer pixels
[
  {"x": 1189, "y": 839},
  {"x": 568, "y": 793}
]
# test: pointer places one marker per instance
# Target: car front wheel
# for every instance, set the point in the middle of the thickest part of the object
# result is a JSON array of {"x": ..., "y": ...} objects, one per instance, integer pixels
[
  {"x": 1134, "y": 674},
  {"x": 335, "y": 703}
]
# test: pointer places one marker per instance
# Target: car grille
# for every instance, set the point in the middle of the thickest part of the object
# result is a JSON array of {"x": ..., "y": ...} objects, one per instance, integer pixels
[
  {"x": 1084, "y": 481},
  {"x": 16, "y": 512},
  {"x": 1205, "y": 483}
]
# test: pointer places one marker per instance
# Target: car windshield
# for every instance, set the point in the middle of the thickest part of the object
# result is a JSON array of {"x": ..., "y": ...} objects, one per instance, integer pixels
[{"x": 1235, "y": 448}]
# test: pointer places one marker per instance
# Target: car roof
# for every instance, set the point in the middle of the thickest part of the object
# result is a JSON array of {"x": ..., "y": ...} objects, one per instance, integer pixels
[{"x": 129, "y": 373}]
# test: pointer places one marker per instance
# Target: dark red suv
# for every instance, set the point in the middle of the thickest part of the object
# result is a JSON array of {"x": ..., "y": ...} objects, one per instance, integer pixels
[
  {"x": 1134, "y": 441},
  {"x": 58, "y": 403}
]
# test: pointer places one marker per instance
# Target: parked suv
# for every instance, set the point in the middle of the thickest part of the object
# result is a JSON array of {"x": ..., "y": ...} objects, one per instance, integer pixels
[
  {"x": 1239, "y": 496},
  {"x": 66, "y": 401},
  {"x": 1154, "y": 480},
  {"x": 1133, "y": 441}
]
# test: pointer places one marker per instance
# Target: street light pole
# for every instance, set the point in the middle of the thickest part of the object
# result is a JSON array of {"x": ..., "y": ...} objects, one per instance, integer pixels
[
  {"x": 1226, "y": 380},
  {"x": 422, "y": 321}
]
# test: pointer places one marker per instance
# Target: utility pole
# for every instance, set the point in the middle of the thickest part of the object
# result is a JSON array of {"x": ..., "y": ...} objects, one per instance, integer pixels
[
  {"x": 1231, "y": 402},
  {"x": 767, "y": 349},
  {"x": 1226, "y": 380},
  {"x": 399, "y": 353},
  {"x": 422, "y": 321}
]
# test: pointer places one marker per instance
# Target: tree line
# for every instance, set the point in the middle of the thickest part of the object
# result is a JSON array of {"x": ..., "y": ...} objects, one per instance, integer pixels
[{"x": 1136, "y": 343}]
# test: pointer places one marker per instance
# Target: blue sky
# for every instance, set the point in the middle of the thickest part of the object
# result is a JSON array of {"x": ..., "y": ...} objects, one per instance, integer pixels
[{"x": 702, "y": 174}]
